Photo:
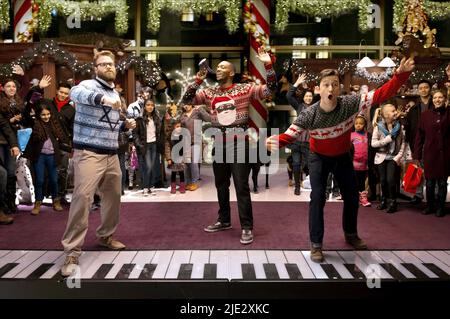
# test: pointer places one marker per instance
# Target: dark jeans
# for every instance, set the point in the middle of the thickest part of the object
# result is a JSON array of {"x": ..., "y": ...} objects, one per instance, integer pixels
[
  {"x": 320, "y": 167},
  {"x": 388, "y": 179},
  {"x": 240, "y": 172},
  {"x": 151, "y": 172},
  {"x": 44, "y": 162},
  {"x": 441, "y": 195},
  {"x": 62, "y": 174},
  {"x": 123, "y": 169},
  {"x": 361, "y": 180},
  {"x": 300, "y": 153},
  {"x": 332, "y": 184},
  {"x": 3, "y": 181}
]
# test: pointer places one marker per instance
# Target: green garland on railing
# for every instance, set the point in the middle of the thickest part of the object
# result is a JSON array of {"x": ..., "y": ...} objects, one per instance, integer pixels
[
  {"x": 321, "y": 8},
  {"x": 232, "y": 10},
  {"x": 87, "y": 9},
  {"x": 434, "y": 10},
  {"x": 4, "y": 15}
]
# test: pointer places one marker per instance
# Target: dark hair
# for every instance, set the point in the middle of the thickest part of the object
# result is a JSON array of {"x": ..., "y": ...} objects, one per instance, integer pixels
[
  {"x": 425, "y": 81},
  {"x": 39, "y": 127},
  {"x": 64, "y": 85},
  {"x": 153, "y": 114},
  {"x": 443, "y": 92},
  {"x": 5, "y": 102},
  {"x": 360, "y": 116},
  {"x": 328, "y": 72}
]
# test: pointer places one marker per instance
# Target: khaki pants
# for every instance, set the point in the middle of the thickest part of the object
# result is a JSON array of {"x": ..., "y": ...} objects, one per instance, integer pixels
[{"x": 92, "y": 172}]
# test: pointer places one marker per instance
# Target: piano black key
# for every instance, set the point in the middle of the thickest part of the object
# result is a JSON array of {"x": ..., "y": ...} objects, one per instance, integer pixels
[
  {"x": 330, "y": 271},
  {"x": 185, "y": 271},
  {"x": 7, "y": 268},
  {"x": 271, "y": 271},
  {"x": 293, "y": 271},
  {"x": 437, "y": 271},
  {"x": 415, "y": 271},
  {"x": 248, "y": 271},
  {"x": 393, "y": 271},
  {"x": 125, "y": 271},
  {"x": 355, "y": 271},
  {"x": 42, "y": 269},
  {"x": 147, "y": 272},
  {"x": 102, "y": 271},
  {"x": 210, "y": 271}
]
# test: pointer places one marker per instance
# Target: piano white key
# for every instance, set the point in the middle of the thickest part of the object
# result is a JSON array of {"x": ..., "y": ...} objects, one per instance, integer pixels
[
  {"x": 24, "y": 262},
  {"x": 317, "y": 270},
  {"x": 48, "y": 258},
  {"x": 237, "y": 258},
  {"x": 373, "y": 261},
  {"x": 258, "y": 258},
  {"x": 86, "y": 260},
  {"x": 407, "y": 257},
  {"x": 4, "y": 252},
  {"x": 103, "y": 257},
  {"x": 12, "y": 256},
  {"x": 141, "y": 258},
  {"x": 333, "y": 258},
  {"x": 220, "y": 258},
  {"x": 350, "y": 257},
  {"x": 441, "y": 255},
  {"x": 390, "y": 258},
  {"x": 124, "y": 257},
  {"x": 277, "y": 257},
  {"x": 296, "y": 257},
  {"x": 162, "y": 260},
  {"x": 427, "y": 258},
  {"x": 448, "y": 252},
  {"x": 55, "y": 268},
  {"x": 198, "y": 260},
  {"x": 179, "y": 257}
]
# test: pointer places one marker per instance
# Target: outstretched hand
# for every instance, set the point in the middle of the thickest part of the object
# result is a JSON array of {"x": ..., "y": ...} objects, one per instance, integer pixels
[
  {"x": 17, "y": 69},
  {"x": 263, "y": 56},
  {"x": 45, "y": 81},
  {"x": 406, "y": 65},
  {"x": 301, "y": 79},
  {"x": 272, "y": 143}
]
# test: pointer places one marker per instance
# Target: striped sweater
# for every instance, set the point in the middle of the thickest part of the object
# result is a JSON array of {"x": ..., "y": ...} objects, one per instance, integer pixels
[
  {"x": 330, "y": 131},
  {"x": 95, "y": 127}
]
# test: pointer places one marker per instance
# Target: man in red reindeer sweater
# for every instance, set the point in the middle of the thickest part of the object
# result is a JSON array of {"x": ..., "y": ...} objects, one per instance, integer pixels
[
  {"x": 229, "y": 104},
  {"x": 329, "y": 122}
]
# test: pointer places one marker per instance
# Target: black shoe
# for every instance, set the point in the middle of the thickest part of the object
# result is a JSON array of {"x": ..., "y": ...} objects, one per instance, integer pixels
[
  {"x": 415, "y": 200},
  {"x": 327, "y": 195},
  {"x": 382, "y": 205},
  {"x": 440, "y": 212},
  {"x": 428, "y": 211},
  {"x": 130, "y": 187},
  {"x": 255, "y": 190},
  {"x": 218, "y": 226},
  {"x": 392, "y": 208},
  {"x": 297, "y": 190}
]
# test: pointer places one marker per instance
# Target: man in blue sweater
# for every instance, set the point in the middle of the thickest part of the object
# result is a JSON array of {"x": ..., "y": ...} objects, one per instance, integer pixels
[{"x": 96, "y": 164}]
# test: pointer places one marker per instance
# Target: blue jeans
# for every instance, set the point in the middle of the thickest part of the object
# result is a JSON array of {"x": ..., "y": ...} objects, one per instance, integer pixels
[
  {"x": 9, "y": 162},
  {"x": 149, "y": 164},
  {"x": 193, "y": 169},
  {"x": 46, "y": 161},
  {"x": 342, "y": 168}
]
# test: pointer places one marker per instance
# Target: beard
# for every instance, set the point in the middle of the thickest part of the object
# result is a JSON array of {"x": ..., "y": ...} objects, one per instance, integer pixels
[
  {"x": 227, "y": 117},
  {"x": 107, "y": 76}
]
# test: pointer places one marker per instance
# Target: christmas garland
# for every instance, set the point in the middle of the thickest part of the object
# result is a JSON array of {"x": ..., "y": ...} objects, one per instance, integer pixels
[
  {"x": 87, "y": 10},
  {"x": 232, "y": 10},
  {"x": 434, "y": 10},
  {"x": 4, "y": 15},
  {"x": 149, "y": 70},
  {"x": 321, "y": 8}
]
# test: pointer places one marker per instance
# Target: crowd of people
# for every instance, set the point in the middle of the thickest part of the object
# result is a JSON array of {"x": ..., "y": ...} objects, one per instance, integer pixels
[{"x": 344, "y": 143}]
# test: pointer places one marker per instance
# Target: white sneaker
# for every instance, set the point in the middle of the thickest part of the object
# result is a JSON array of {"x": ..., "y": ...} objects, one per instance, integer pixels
[{"x": 146, "y": 192}]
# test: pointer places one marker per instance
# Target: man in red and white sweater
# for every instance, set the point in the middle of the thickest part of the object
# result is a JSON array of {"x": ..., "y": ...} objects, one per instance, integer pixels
[
  {"x": 229, "y": 106},
  {"x": 329, "y": 122}
]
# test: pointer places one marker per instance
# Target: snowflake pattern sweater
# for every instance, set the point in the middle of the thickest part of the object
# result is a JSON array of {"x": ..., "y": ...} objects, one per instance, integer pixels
[{"x": 330, "y": 131}]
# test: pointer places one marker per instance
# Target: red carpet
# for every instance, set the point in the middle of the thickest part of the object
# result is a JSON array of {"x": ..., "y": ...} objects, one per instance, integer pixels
[{"x": 278, "y": 225}]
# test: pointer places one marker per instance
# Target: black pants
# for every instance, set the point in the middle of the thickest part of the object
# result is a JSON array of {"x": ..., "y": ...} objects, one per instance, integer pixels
[
  {"x": 441, "y": 195},
  {"x": 388, "y": 179},
  {"x": 361, "y": 180},
  {"x": 223, "y": 171},
  {"x": 62, "y": 174},
  {"x": 320, "y": 167},
  {"x": 173, "y": 176}
]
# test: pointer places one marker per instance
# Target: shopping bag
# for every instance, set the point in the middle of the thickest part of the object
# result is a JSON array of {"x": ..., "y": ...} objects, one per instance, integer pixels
[
  {"x": 23, "y": 136},
  {"x": 412, "y": 178}
]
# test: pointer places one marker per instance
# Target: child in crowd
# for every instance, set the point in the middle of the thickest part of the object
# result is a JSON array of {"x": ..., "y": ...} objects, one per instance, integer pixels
[
  {"x": 174, "y": 157},
  {"x": 389, "y": 140},
  {"x": 360, "y": 149}
]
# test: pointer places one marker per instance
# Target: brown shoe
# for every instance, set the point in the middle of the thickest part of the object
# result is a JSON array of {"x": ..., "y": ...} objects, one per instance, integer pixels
[
  {"x": 356, "y": 242},
  {"x": 57, "y": 205},
  {"x": 111, "y": 243},
  {"x": 37, "y": 208},
  {"x": 5, "y": 219},
  {"x": 69, "y": 266},
  {"x": 193, "y": 187},
  {"x": 316, "y": 255}
]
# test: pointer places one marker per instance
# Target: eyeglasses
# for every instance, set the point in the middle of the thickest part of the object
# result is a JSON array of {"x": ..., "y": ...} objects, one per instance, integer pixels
[{"x": 106, "y": 64}]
